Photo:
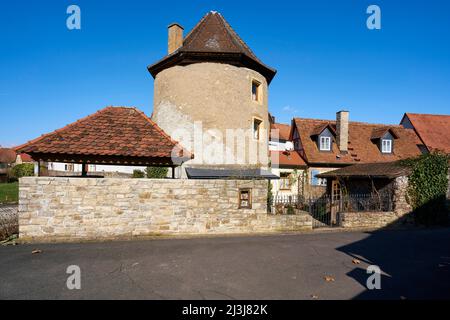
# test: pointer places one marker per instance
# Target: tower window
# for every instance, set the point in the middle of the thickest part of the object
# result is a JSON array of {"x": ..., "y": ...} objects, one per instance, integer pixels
[
  {"x": 256, "y": 91},
  {"x": 256, "y": 128}
]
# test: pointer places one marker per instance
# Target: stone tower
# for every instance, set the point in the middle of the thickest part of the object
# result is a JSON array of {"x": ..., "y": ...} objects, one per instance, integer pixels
[{"x": 209, "y": 87}]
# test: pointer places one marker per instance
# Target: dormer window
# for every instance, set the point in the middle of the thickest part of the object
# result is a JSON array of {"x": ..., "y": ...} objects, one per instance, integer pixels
[
  {"x": 386, "y": 145},
  {"x": 325, "y": 143}
]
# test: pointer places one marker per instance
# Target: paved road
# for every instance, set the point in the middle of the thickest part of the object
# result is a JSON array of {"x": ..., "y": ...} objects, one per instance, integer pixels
[{"x": 416, "y": 265}]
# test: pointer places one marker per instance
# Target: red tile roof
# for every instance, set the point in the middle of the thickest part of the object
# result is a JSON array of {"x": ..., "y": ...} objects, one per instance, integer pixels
[
  {"x": 284, "y": 130},
  {"x": 361, "y": 147},
  {"x": 7, "y": 155},
  {"x": 213, "y": 40},
  {"x": 26, "y": 157},
  {"x": 434, "y": 130},
  {"x": 112, "y": 131},
  {"x": 286, "y": 159}
]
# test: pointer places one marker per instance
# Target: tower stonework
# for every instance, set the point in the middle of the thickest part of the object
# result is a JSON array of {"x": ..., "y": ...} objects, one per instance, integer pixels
[{"x": 214, "y": 89}]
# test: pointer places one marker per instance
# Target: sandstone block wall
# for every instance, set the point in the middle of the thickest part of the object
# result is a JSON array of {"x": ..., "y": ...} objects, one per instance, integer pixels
[{"x": 52, "y": 208}]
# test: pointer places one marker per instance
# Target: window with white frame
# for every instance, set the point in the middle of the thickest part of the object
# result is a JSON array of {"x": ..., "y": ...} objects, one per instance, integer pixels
[
  {"x": 386, "y": 146},
  {"x": 325, "y": 143}
]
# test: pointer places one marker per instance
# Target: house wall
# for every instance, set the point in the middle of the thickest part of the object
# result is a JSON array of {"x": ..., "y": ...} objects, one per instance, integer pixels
[
  {"x": 214, "y": 97},
  {"x": 276, "y": 191},
  {"x": 53, "y": 209}
]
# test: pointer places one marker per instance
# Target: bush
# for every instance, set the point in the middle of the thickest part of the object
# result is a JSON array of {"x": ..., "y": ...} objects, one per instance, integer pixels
[
  {"x": 156, "y": 172},
  {"x": 427, "y": 188},
  {"x": 22, "y": 170},
  {"x": 138, "y": 174}
]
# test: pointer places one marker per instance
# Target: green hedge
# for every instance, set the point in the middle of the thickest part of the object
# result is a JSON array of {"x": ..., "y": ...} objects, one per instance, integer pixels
[
  {"x": 427, "y": 188},
  {"x": 156, "y": 172},
  {"x": 22, "y": 170}
]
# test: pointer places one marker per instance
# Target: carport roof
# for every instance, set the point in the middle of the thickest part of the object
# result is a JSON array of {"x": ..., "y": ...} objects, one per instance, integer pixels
[
  {"x": 245, "y": 174},
  {"x": 113, "y": 135},
  {"x": 365, "y": 170}
]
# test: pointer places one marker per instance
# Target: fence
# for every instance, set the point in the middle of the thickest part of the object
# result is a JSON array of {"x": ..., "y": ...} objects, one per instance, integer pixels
[{"x": 325, "y": 210}]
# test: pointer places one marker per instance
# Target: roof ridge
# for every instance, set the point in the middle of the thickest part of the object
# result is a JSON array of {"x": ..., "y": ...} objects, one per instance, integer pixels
[
  {"x": 351, "y": 122},
  {"x": 427, "y": 114}
]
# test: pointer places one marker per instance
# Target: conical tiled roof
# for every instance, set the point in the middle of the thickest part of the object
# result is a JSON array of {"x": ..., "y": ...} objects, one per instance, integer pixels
[{"x": 213, "y": 40}]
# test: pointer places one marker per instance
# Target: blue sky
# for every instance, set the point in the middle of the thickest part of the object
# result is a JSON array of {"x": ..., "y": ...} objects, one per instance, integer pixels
[{"x": 326, "y": 57}]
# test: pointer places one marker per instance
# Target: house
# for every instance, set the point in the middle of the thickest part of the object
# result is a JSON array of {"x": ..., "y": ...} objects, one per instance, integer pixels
[
  {"x": 7, "y": 159},
  {"x": 432, "y": 129},
  {"x": 211, "y": 95},
  {"x": 327, "y": 145},
  {"x": 285, "y": 162}
]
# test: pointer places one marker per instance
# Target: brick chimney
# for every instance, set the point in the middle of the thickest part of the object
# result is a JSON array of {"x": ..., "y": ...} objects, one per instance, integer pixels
[
  {"x": 175, "y": 37},
  {"x": 342, "y": 130}
]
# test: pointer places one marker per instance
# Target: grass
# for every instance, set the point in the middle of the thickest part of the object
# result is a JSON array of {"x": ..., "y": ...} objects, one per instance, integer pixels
[{"x": 9, "y": 192}]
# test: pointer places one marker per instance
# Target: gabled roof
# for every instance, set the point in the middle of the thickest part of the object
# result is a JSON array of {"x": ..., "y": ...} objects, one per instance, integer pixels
[
  {"x": 366, "y": 170},
  {"x": 433, "y": 130},
  {"x": 321, "y": 127},
  {"x": 283, "y": 130},
  {"x": 286, "y": 159},
  {"x": 7, "y": 155},
  {"x": 213, "y": 40},
  {"x": 380, "y": 132},
  {"x": 111, "y": 132},
  {"x": 361, "y": 147}
]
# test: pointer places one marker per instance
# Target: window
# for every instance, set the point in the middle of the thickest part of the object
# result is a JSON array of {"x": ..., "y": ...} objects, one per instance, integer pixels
[
  {"x": 325, "y": 143},
  {"x": 285, "y": 181},
  {"x": 68, "y": 167},
  {"x": 386, "y": 146},
  {"x": 245, "y": 198},
  {"x": 256, "y": 91},
  {"x": 256, "y": 128}
]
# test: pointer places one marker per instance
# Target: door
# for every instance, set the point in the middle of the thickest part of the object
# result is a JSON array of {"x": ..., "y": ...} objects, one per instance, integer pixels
[{"x": 336, "y": 196}]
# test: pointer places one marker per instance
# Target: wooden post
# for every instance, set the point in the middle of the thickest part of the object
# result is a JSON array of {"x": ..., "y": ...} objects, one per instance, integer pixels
[
  {"x": 173, "y": 172},
  {"x": 84, "y": 170}
]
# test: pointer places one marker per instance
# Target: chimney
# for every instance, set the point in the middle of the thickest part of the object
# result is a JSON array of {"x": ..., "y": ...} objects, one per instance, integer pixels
[
  {"x": 342, "y": 130},
  {"x": 175, "y": 37}
]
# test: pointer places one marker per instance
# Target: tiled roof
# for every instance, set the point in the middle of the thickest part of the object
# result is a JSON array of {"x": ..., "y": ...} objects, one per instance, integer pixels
[
  {"x": 434, "y": 130},
  {"x": 361, "y": 147},
  {"x": 283, "y": 130},
  {"x": 213, "y": 40},
  {"x": 286, "y": 159},
  {"x": 26, "y": 157},
  {"x": 112, "y": 131},
  {"x": 7, "y": 155},
  {"x": 375, "y": 170}
]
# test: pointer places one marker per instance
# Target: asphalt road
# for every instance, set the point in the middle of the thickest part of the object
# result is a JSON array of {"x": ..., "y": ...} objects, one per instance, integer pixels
[{"x": 415, "y": 264}]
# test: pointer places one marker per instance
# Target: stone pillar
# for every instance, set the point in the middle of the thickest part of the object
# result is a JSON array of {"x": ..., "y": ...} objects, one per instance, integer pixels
[{"x": 401, "y": 205}]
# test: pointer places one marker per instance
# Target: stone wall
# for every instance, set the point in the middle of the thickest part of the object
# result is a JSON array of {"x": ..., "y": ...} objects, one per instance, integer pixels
[
  {"x": 375, "y": 220},
  {"x": 367, "y": 219},
  {"x": 59, "y": 208}
]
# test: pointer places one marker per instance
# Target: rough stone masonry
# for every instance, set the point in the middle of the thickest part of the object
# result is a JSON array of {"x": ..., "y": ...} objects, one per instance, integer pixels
[{"x": 61, "y": 209}]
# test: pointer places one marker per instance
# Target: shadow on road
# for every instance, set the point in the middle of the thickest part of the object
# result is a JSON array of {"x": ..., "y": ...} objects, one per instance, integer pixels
[{"x": 414, "y": 264}]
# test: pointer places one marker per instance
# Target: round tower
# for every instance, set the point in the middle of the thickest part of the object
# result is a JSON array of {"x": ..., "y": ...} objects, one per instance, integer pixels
[{"x": 211, "y": 94}]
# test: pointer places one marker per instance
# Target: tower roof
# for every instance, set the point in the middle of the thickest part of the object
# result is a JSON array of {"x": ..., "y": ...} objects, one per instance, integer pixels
[{"x": 213, "y": 40}]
